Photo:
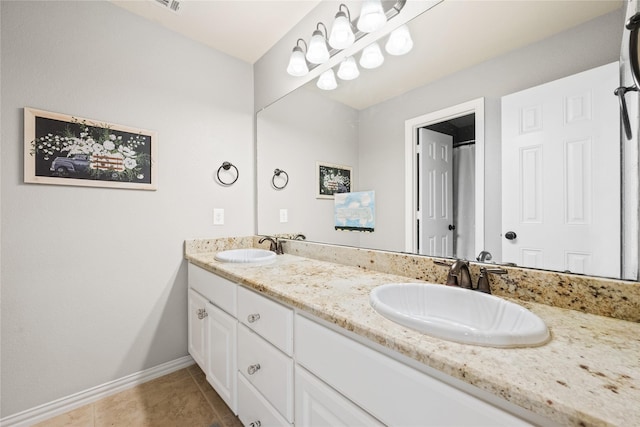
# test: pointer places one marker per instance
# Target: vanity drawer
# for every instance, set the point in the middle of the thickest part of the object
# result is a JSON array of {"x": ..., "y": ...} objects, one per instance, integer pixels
[
  {"x": 272, "y": 321},
  {"x": 267, "y": 369},
  {"x": 218, "y": 290},
  {"x": 254, "y": 410}
]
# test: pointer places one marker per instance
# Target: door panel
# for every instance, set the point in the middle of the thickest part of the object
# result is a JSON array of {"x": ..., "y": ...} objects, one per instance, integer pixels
[
  {"x": 561, "y": 174},
  {"x": 435, "y": 200}
]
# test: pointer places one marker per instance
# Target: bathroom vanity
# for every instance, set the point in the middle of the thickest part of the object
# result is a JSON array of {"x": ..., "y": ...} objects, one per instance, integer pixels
[{"x": 295, "y": 342}]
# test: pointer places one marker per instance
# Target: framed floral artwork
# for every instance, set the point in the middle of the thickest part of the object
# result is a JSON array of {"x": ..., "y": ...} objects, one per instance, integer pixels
[
  {"x": 69, "y": 150},
  {"x": 331, "y": 179}
]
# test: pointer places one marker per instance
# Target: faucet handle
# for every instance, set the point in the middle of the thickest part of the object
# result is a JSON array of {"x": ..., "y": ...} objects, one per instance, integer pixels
[
  {"x": 493, "y": 270},
  {"x": 483, "y": 280}
]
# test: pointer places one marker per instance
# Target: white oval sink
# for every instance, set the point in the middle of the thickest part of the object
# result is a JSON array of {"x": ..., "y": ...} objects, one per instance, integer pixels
[
  {"x": 246, "y": 256},
  {"x": 460, "y": 315}
]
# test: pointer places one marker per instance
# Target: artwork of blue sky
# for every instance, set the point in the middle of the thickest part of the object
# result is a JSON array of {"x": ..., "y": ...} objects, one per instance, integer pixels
[{"x": 355, "y": 211}]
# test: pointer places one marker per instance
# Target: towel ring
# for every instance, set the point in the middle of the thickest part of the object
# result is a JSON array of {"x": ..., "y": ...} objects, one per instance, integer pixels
[
  {"x": 276, "y": 173},
  {"x": 226, "y": 166}
]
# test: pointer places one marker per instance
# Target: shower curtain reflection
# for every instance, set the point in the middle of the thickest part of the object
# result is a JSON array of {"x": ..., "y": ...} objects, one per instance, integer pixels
[{"x": 464, "y": 173}]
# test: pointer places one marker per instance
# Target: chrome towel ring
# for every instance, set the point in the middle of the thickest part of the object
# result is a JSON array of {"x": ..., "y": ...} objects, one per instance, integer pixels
[
  {"x": 226, "y": 166},
  {"x": 277, "y": 173}
]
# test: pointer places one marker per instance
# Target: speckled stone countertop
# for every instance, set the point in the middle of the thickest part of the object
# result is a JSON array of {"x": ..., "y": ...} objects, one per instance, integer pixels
[{"x": 587, "y": 375}]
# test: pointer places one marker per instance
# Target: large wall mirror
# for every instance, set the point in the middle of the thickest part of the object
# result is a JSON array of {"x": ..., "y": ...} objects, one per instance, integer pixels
[{"x": 474, "y": 86}]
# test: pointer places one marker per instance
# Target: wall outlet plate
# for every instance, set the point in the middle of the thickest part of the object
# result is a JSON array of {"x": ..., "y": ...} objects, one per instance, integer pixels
[
  {"x": 218, "y": 216},
  {"x": 284, "y": 215}
]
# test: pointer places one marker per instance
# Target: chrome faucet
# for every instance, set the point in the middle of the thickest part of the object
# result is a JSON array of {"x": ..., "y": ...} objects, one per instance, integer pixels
[
  {"x": 484, "y": 256},
  {"x": 275, "y": 245},
  {"x": 459, "y": 275}
]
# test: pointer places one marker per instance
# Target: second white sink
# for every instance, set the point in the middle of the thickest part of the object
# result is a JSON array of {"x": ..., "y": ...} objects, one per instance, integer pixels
[
  {"x": 460, "y": 315},
  {"x": 246, "y": 256}
]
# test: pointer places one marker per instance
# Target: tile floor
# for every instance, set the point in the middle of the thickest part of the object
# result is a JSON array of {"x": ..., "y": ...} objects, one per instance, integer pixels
[{"x": 182, "y": 399}]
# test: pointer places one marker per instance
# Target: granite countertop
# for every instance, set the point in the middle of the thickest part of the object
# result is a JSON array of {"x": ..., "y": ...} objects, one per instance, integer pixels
[{"x": 587, "y": 375}]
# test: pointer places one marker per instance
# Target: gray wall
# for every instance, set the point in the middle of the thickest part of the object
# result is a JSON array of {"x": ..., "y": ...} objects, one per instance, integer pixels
[
  {"x": 93, "y": 280},
  {"x": 295, "y": 133}
]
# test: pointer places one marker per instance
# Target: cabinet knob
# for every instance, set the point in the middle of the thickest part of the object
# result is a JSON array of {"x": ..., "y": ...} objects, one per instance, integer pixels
[
  {"x": 252, "y": 369},
  {"x": 202, "y": 313},
  {"x": 255, "y": 424},
  {"x": 252, "y": 318}
]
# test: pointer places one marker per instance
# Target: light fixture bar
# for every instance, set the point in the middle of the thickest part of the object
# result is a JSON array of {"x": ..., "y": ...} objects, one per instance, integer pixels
[{"x": 390, "y": 13}]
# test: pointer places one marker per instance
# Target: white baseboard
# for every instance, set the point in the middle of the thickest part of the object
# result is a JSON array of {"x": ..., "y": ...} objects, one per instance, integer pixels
[{"x": 66, "y": 404}]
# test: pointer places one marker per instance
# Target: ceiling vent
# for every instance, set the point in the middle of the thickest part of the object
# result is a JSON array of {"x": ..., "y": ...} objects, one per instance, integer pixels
[{"x": 173, "y": 5}]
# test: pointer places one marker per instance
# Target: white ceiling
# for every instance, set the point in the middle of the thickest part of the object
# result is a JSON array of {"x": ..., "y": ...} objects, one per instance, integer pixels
[{"x": 244, "y": 29}]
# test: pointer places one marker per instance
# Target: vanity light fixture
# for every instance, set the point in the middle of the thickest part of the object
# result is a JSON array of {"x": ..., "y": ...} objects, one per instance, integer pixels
[
  {"x": 400, "y": 41},
  {"x": 327, "y": 80},
  {"x": 348, "y": 69},
  {"x": 372, "y": 16},
  {"x": 371, "y": 56},
  {"x": 342, "y": 36},
  {"x": 318, "y": 53},
  {"x": 297, "y": 62}
]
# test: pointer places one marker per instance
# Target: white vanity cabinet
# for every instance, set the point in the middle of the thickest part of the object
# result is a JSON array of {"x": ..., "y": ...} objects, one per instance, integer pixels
[
  {"x": 389, "y": 390},
  {"x": 213, "y": 330},
  {"x": 271, "y": 373}
]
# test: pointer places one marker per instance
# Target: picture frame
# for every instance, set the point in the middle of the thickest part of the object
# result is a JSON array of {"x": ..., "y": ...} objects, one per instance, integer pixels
[
  {"x": 331, "y": 179},
  {"x": 60, "y": 149}
]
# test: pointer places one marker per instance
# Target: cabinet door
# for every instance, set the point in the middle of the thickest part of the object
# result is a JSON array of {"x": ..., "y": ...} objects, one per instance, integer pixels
[
  {"x": 318, "y": 405},
  {"x": 197, "y": 327},
  {"x": 221, "y": 346}
]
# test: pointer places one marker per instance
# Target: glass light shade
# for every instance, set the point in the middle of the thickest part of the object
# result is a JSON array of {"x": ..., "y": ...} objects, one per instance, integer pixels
[
  {"x": 372, "y": 16},
  {"x": 327, "y": 80},
  {"x": 371, "y": 56},
  {"x": 348, "y": 69},
  {"x": 400, "y": 41},
  {"x": 341, "y": 36},
  {"x": 318, "y": 52},
  {"x": 297, "y": 64}
]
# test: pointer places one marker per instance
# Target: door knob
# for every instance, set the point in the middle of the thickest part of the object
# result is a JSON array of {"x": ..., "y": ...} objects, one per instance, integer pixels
[
  {"x": 452, "y": 227},
  {"x": 510, "y": 235}
]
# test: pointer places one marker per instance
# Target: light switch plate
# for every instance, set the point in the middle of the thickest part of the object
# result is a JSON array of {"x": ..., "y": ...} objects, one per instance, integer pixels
[
  {"x": 284, "y": 215},
  {"x": 218, "y": 216}
]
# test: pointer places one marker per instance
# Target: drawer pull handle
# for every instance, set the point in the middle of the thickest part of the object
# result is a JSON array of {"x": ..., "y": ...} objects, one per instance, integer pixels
[
  {"x": 255, "y": 424},
  {"x": 252, "y": 318},
  {"x": 202, "y": 313},
  {"x": 253, "y": 369}
]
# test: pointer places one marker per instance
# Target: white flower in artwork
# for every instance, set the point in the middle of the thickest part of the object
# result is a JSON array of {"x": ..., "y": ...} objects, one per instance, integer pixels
[
  {"x": 130, "y": 163},
  {"x": 112, "y": 137},
  {"x": 140, "y": 176},
  {"x": 109, "y": 145}
]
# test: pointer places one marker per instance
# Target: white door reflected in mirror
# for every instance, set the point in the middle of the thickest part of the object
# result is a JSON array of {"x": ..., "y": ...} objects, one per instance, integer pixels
[{"x": 561, "y": 175}]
